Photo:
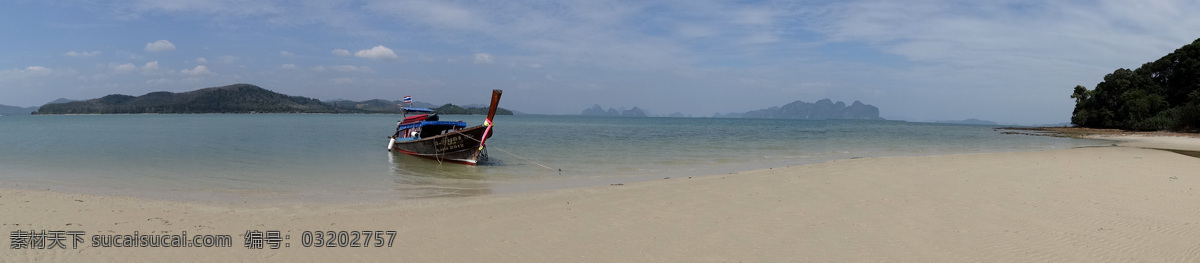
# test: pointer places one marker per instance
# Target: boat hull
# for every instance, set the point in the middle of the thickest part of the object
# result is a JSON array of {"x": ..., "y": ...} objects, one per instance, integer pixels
[{"x": 460, "y": 146}]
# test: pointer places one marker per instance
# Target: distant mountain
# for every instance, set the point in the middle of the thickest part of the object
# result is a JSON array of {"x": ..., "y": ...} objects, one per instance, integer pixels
[
  {"x": 596, "y": 110},
  {"x": 15, "y": 111},
  {"x": 60, "y": 100},
  {"x": 971, "y": 122},
  {"x": 237, "y": 98},
  {"x": 821, "y": 110}
]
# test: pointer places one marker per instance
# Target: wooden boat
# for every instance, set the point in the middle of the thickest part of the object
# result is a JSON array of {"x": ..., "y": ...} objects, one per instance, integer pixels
[{"x": 424, "y": 135}]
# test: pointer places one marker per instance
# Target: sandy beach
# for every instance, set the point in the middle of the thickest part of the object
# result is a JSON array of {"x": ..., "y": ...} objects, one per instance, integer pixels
[{"x": 1097, "y": 204}]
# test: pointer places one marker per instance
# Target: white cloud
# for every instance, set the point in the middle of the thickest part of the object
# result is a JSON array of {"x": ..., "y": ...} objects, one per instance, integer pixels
[
  {"x": 286, "y": 54},
  {"x": 197, "y": 71},
  {"x": 123, "y": 68},
  {"x": 484, "y": 58},
  {"x": 82, "y": 54},
  {"x": 318, "y": 68},
  {"x": 159, "y": 46},
  {"x": 228, "y": 59},
  {"x": 340, "y": 52},
  {"x": 377, "y": 52},
  {"x": 289, "y": 66},
  {"x": 150, "y": 67},
  {"x": 201, "y": 60}
]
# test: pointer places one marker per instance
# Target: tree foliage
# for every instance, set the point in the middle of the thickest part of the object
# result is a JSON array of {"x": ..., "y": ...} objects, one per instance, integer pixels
[
  {"x": 1159, "y": 95},
  {"x": 451, "y": 109}
]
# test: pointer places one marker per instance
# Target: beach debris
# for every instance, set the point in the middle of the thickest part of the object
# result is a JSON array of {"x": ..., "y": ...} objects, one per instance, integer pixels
[{"x": 617, "y": 184}]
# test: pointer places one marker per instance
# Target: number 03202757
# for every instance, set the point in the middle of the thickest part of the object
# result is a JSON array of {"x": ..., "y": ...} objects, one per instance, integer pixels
[{"x": 347, "y": 238}]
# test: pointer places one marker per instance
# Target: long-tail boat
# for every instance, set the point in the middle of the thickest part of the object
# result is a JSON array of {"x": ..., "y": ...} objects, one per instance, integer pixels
[{"x": 424, "y": 135}]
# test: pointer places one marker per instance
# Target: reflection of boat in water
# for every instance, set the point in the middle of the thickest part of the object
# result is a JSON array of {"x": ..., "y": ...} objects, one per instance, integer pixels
[
  {"x": 425, "y": 136},
  {"x": 418, "y": 179}
]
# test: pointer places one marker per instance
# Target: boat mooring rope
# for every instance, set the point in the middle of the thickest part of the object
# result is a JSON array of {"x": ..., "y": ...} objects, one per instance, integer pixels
[
  {"x": 518, "y": 156},
  {"x": 528, "y": 160}
]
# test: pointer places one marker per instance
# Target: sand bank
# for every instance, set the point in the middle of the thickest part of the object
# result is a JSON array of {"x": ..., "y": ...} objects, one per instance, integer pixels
[
  {"x": 1152, "y": 141},
  {"x": 1076, "y": 205}
]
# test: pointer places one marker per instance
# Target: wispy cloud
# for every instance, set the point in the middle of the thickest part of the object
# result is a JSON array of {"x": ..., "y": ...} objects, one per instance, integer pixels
[
  {"x": 483, "y": 58},
  {"x": 349, "y": 68},
  {"x": 82, "y": 53},
  {"x": 30, "y": 71},
  {"x": 228, "y": 59},
  {"x": 218, "y": 8}
]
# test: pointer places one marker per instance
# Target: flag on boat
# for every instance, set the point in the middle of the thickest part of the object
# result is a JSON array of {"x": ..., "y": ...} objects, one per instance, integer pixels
[{"x": 408, "y": 99}]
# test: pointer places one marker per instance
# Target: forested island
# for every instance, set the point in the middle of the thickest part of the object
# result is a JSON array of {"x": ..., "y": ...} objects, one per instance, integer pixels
[
  {"x": 1159, "y": 95},
  {"x": 824, "y": 109},
  {"x": 237, "y": 98}
]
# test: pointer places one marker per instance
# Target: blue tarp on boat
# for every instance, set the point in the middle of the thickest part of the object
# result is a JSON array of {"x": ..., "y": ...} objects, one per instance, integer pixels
[{"x": 458, "y": 124}]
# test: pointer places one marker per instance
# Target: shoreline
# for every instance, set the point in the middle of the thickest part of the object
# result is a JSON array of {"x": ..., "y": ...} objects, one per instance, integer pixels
[
  {"x": 1078, "y": 132},
  {"x": 1179, "y": 142},
  {"x": 1080, "y": 204}
]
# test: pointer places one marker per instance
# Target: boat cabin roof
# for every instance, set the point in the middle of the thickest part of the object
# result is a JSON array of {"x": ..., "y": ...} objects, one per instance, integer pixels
[
  {"x": 416, "y": 109},
  {"x": 458, "y": 124}
]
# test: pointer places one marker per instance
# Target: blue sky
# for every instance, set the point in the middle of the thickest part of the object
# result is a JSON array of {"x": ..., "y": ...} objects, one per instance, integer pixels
[{"x": 1006, "y": 61}]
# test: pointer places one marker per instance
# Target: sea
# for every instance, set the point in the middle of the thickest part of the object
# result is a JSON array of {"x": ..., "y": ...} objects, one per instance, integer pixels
[{"x": 343, "y": 158}]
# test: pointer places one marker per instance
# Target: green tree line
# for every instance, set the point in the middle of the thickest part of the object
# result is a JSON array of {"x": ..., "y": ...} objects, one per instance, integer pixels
[
  {"x": 451, "y": 109},
  {"x": 238, "y": 98},
  {"x": 1159, "y": 95}
]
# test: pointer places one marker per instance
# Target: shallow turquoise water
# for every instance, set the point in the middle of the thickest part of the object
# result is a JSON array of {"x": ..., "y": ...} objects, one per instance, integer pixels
[{"x": 343, "y": 157}]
